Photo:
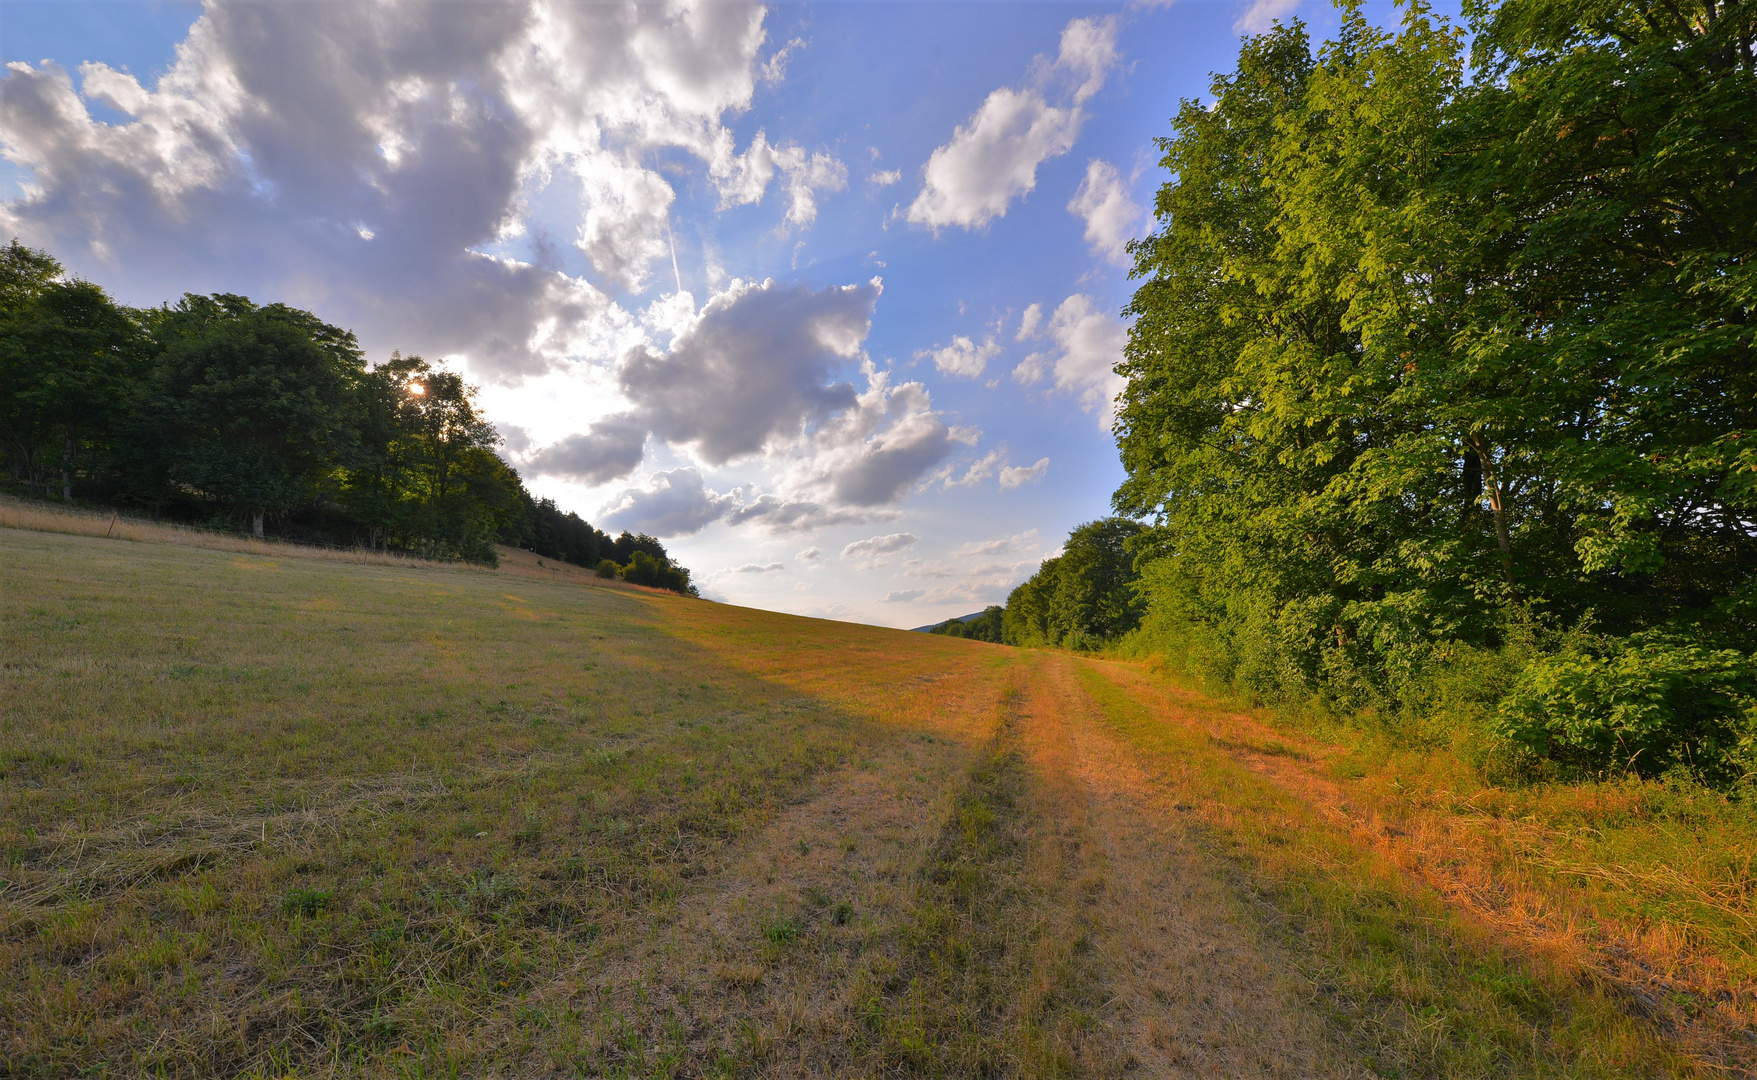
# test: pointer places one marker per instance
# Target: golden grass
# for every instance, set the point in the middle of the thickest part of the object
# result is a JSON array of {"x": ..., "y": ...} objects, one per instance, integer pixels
[
  {"x": 1462, "y": 931},
  {"x": 320, "y": 816}
]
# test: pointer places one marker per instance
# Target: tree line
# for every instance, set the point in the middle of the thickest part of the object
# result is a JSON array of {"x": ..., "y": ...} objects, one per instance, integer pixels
[
  {"x": 1441, "y": 398},
  {"x": 218, "y": 411}
]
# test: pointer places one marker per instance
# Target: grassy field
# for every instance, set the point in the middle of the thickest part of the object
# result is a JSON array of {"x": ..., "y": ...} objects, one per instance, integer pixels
[{"x": 274, "y": 812}]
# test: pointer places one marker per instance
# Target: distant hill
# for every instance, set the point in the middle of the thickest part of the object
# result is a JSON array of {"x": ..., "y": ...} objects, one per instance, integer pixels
[{"x": 929, "y": 627}]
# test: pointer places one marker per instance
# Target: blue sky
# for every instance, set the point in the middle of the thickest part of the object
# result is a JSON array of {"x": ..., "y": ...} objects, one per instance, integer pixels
[{"x": 825, "y": 296}]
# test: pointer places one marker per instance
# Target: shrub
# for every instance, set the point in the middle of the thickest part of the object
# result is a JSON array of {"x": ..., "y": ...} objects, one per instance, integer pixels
[
  {"x": 1645, "y": 703},
  {"x": 607, "y": 568}
]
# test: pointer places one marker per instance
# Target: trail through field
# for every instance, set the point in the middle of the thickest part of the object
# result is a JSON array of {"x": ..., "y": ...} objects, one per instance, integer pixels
[{"x": 276, "y": 817}]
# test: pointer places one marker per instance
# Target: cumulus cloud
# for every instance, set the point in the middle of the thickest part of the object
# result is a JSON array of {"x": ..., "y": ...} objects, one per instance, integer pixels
[
  {"x": 1029, "y": 323},
  {"x": 756, "y": 568},
  {"x": 880, "y": 545},
  {"x": 1016, "y": 475},
  {"x": 782, "y": 515},
  {"x": 962, "y": 357},
  {"x": 754, "y": 368},
  {"x": 885, "y": 178},
  {"x": 874, "y": 453},
  {"x": 1263, "y": 14},
  {"x": 742, "y": 179},
  {"x": 611, "y": 450},
  {"x": 974, "y": 472},
  {"x": 360, "y": 158},
  {"x": 810, "y": 554},
  {"x": 1090, "y": 344},
  {"x": 903, "y": 596},
  {"x": 674, "y": 503},
  {"x": 993, "y": 158},
  {"x": 1112, "y": 218}
]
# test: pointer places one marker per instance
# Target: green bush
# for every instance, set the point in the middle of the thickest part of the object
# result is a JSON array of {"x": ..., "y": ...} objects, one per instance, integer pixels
[
  {"x": 607, "y": 568},
  {"x": 1645, "y": 704}
]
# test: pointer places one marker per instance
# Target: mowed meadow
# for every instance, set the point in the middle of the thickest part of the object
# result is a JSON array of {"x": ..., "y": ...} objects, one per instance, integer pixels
[{"x": 267, "y": 812}]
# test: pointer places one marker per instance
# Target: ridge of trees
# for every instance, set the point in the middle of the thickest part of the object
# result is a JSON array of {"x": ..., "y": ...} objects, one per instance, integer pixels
[
  {"x": 216, "y": 410},
  {"x": 1442, "y": 382}
]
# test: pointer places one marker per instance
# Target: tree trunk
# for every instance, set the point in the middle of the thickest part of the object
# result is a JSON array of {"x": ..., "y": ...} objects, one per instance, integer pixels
[
  {"x": 256, "y": 523},
  {"x": 66, "y": 467},
  {"x": 1497, "y": 492}
]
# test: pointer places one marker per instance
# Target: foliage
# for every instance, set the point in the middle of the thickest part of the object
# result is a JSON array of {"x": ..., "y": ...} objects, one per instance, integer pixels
[
  {"x": 984, "y": 627},
  {"x": 248, "y": 407},
  {"x": 1425, "y": 348},
  {"x": 656, "y": 571},
  {"x": 1082, "y": 598},
  {"x": 218, "y": 410},
  {"x": 1643, "y": 704}
]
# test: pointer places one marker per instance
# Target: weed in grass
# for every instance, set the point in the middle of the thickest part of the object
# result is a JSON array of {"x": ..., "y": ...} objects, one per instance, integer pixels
[{"x": 781, "y": 931}]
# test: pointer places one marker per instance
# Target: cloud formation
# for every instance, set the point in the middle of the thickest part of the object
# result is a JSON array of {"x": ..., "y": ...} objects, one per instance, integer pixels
[
  {"x": 753, "y": 369},
  {"x": 1112, "y": 218},
  {"x": 360, "y": 158},
  {"x": 611, "y": 450},
  {"x": 1090, "y": 345},
  {"x": 993, "y": 158},
  {"x": 880, "y": 545},
  {"x": 962, "y": 357},
  {"x": 1016, "y": 475},
  {"x": 674, "y": 503},
  {"x": 1263, "y": 14}
]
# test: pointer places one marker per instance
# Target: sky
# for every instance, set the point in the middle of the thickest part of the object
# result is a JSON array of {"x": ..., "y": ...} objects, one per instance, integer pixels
[{"x": 827, "y": 297}]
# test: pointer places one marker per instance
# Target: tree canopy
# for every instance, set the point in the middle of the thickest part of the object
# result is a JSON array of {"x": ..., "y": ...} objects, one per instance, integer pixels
[
  {"x": 1427, "y": 344},
  {"x": 218, "y": 411}
]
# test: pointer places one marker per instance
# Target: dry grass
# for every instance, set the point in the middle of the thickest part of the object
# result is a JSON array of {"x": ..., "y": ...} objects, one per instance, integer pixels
[
  {"x": 273, "y": 816},
  {"x": 1447, "y": 930},
  {"x": 44, "y": 517}
]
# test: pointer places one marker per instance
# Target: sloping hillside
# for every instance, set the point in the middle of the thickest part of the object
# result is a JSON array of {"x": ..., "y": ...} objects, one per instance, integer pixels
[{"x": 275, "y": 815}]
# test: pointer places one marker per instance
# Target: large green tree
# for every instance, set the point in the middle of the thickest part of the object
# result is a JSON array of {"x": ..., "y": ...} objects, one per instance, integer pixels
[
  {"x": 69, "y": 357},
  {"x": 1415, "y": 348},
  {"x": 251, "y": 408}
]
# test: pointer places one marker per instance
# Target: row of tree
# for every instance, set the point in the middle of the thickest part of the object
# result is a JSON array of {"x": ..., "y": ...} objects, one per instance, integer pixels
[
  {"x": 1084, "y": 598},
  {"x": 220, "y": 411},
  {"x": 1443, "y": 356}
]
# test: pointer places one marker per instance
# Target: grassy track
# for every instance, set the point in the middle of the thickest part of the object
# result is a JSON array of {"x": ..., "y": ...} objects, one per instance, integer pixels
[{"x": 264, "y": 813}]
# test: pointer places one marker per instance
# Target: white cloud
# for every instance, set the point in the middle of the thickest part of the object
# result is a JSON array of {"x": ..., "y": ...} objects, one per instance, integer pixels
[
  {"x": 1262, "y": 14},
  {"x": 754, "y": 368},
  {"x": 755, "y": 568},
  {"x": 611, "y": 450},
  {"x": 1112, "y": 218},
  {"x": 810, "y": 554},
  {"x": 874, "y": 453},
  {"x": 1015, "y": 475},
  {"x": 774, "y": 69},
  {"x": 358, "y": 158},
  {"x": 975, "y": 473},
  {"x": 674, "y": 503},
  {"x": 1091, "y": 344},
  {"x": 783, "y": 515},
  {"x": 743, "y": 178},
  {"x": 885, "y": 178},
  {"x": 962, "y": 357},
  {"x": 993, "y": 158},
  {"x": 1029, "y": 323},
  {"x": 903, "y": 596},
  {"x": 1025, "y": 541},
  {"x": 880, "y": 545}
]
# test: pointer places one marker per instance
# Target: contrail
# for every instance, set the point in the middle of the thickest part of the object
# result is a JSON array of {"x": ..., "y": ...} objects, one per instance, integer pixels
[{"x": 673, "y": 240}]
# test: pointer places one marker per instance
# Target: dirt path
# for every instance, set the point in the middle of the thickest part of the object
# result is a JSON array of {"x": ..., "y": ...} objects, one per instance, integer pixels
[
  {"x": 1193, "y": 991},
  {"x": 1093, "y": 935}
]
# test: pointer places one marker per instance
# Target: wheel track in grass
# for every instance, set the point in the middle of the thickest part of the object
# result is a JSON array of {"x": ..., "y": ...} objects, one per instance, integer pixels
[{"x": 1482, "y": 867}]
